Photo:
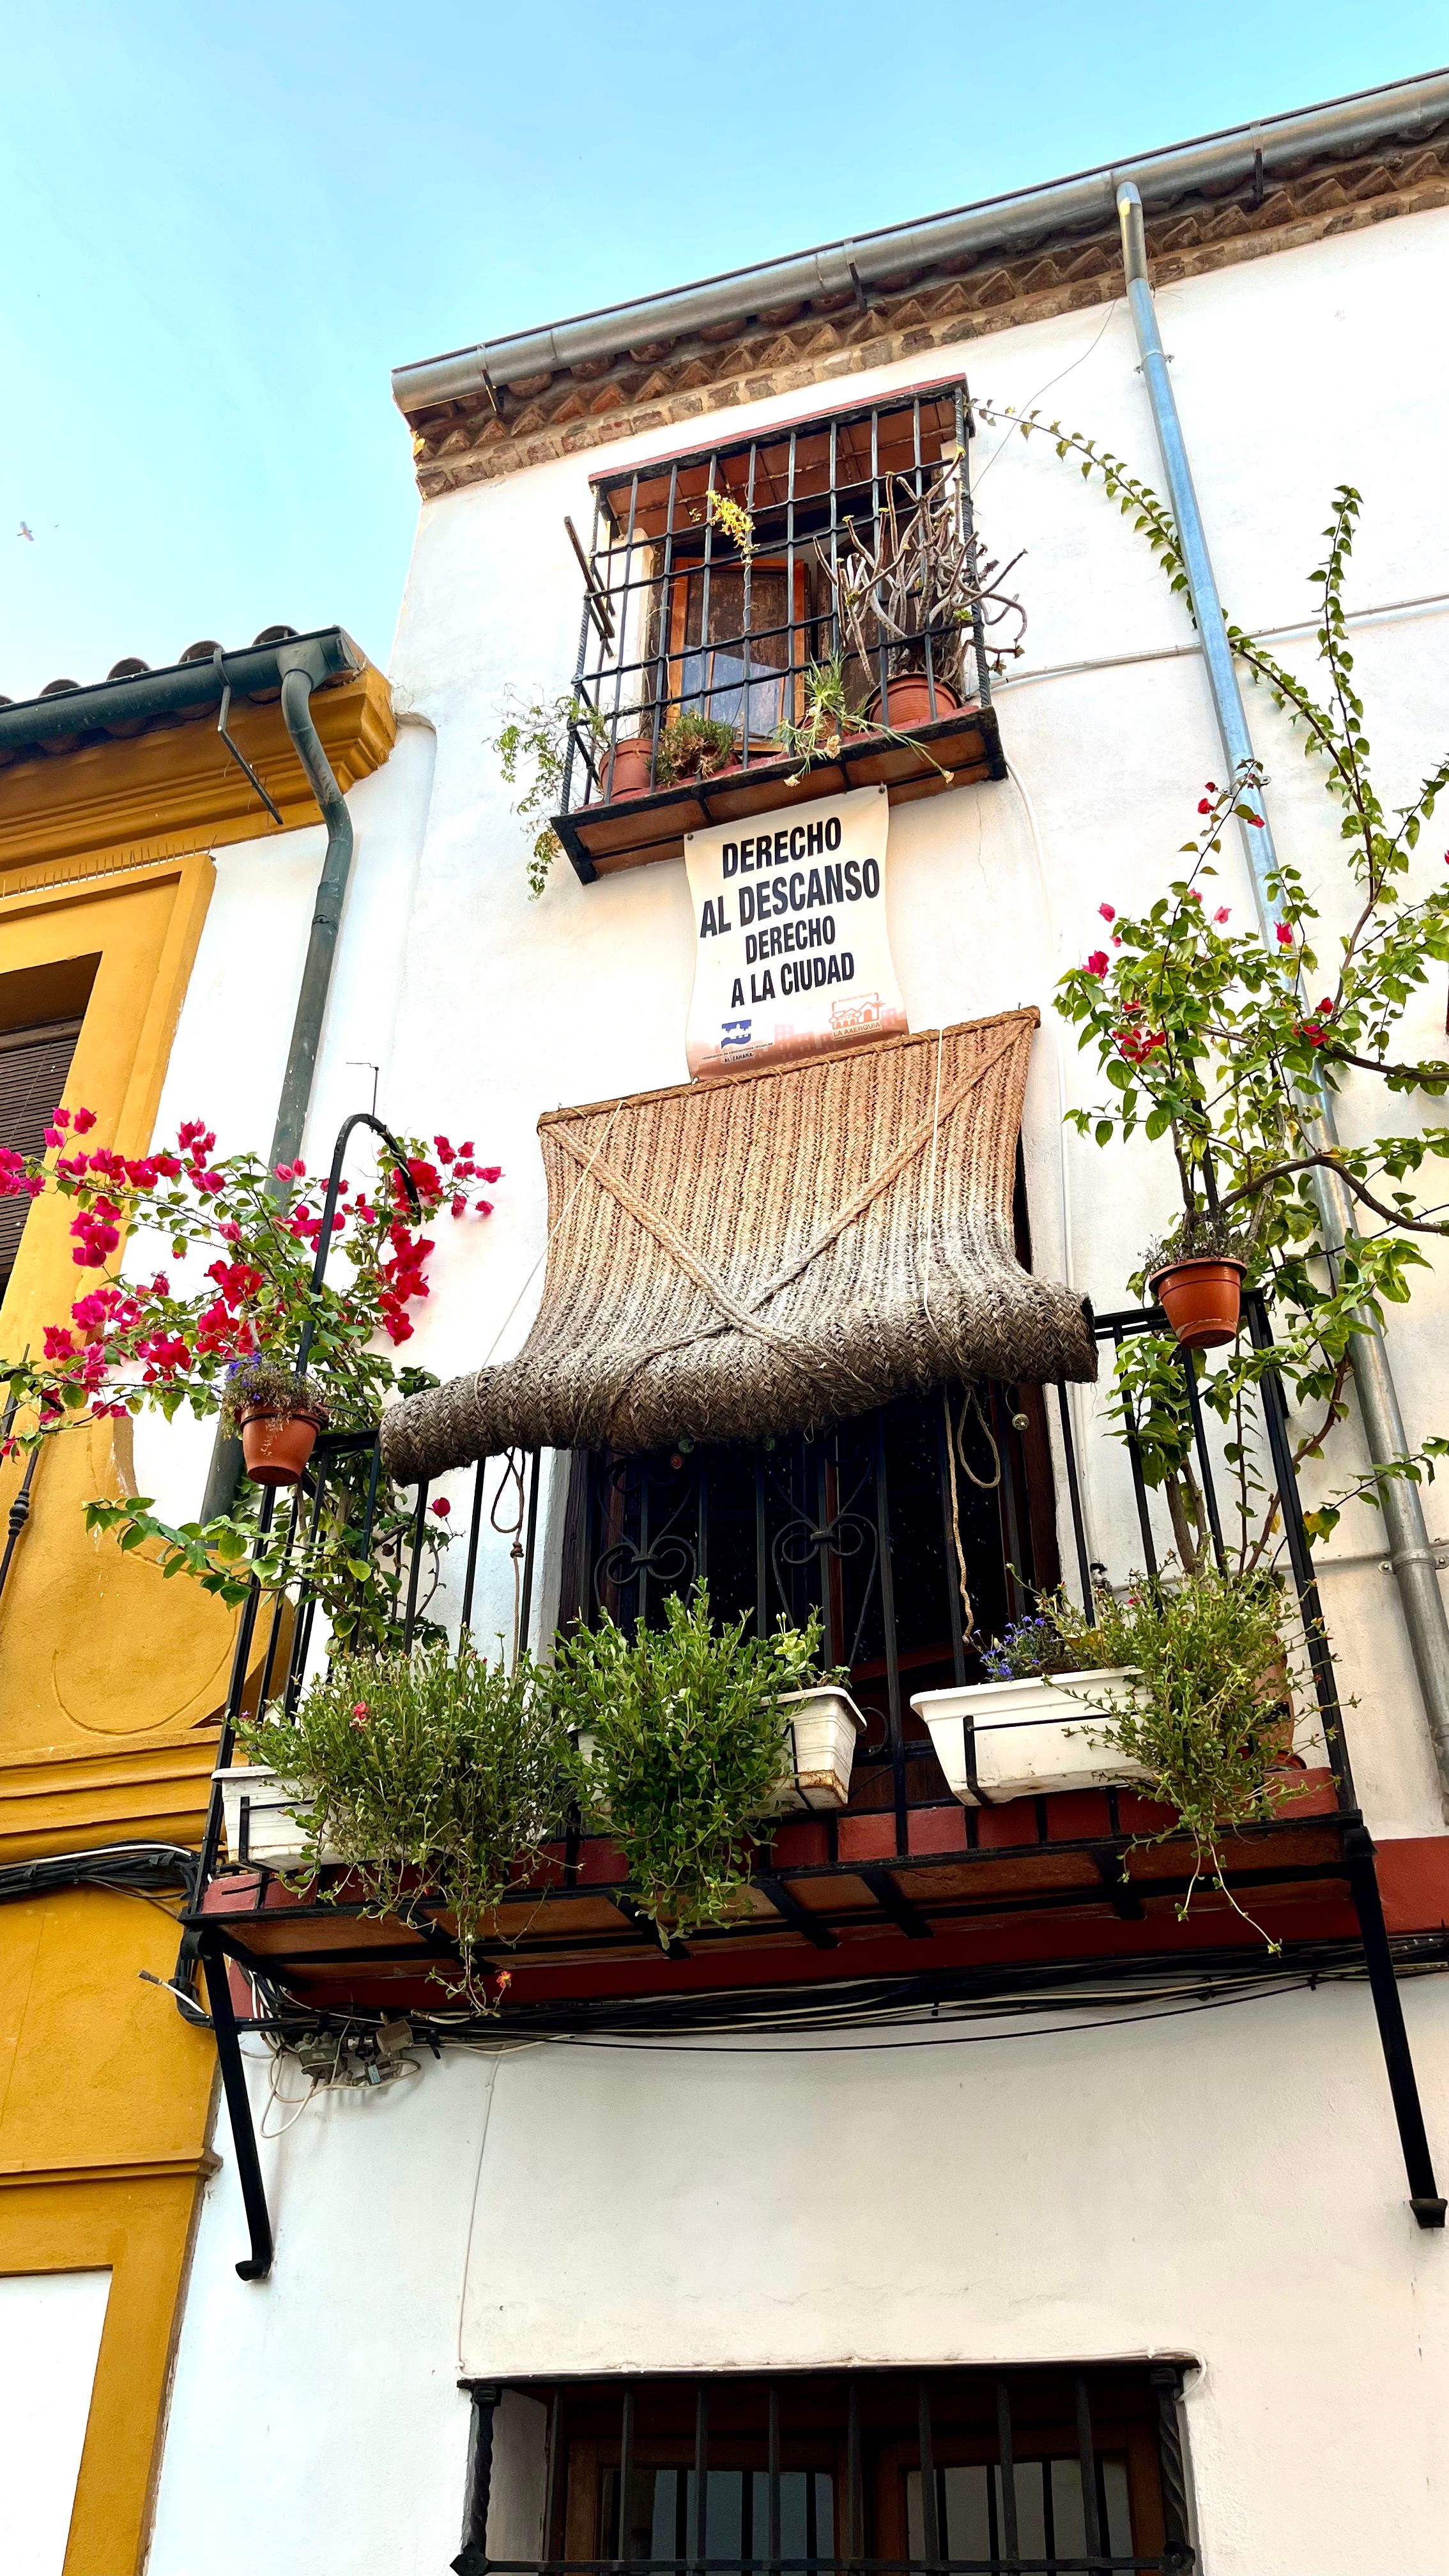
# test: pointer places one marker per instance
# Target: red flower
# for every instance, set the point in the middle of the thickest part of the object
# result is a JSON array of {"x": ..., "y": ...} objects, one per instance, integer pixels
[
  {"x": 460, "y": 1205},
  {"x": 59, "y": 1342},
  {"x": 446, "y": 1152},
  {"x": 1204, "y": 805},
  {"x": 1221, "y": 915},
  {"x": 53, "y": 1136},
  {"x": 83, "y": 1120},
  {"x": 442, "y": 1507},
  {"x": 490, "y": 1172},
  {"x": 1325, "y": 1008},
  {"x": 483, "y": 1207},
  {"x": 1108, "y": 911},
  {"x": 1285, "y": 935},
  {"x": 1098, "y": 963},
  {"x": 166, "y": 1164}
]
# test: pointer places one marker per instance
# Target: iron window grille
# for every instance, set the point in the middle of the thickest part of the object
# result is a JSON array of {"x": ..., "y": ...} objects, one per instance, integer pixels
[
  {"x": 690, "y": 610},
  {"x": 1046, "y": 2472},
  {"x": 885, "y": 1525}
]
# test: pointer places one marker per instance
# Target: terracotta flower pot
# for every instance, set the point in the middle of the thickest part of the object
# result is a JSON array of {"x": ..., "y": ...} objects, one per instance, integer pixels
[
  {"x": 907, "y": 702},
  {"x": 1202, "y": 1299},
  {"x": 277, "y": 1446},
  {"x": 628, "y": 769}
]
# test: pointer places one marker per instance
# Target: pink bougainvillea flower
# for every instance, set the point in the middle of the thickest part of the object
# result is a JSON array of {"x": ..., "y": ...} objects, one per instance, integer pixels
[
  {"x": 83, "y": 1120},
  {"x": 442, "y": 1507},
  {"x": 1192, "y": 895},
  {"x": 1098, "y": 963},
  {"x": 1285, "y": 935},
  {"x": 1108, "y": 911},
  {"x": 1221, "y": 915},
  {"x": 1204, "y": 805}
]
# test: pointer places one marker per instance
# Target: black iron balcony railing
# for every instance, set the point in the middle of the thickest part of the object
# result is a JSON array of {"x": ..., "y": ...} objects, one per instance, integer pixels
[
  {"x": 885, "y": 1526},
  {"x": 1043, "y": 2472},
  {"x": 714, "y": 589}
]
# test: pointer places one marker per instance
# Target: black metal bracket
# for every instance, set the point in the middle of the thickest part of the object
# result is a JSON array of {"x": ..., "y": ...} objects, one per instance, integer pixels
[
  {"x": 239, "y": 756},
  {"x": 1425, "y": 2198},
  {"x": 239, "y": 2110}
]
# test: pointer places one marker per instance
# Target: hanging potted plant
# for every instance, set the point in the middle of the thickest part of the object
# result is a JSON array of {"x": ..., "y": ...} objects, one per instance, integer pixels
[
  {"x": 276, "y": 1415},
  {"x": 912, "y": 590},
  {"x": 1196, "y": 1274},
  {"x": 431, "y": 1771},
  {"x": 1033, "y": 1726},
  {"x": 688, "y": 1736}
]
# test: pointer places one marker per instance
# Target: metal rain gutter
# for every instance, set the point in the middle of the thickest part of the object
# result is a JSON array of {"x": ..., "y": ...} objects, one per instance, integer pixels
[
  {"x": 224, "y": 1473},
  {"x": 181, "y": 689},
  {"x": 1410, "y": 1553},
  {"x": 1217, "y": 162}
]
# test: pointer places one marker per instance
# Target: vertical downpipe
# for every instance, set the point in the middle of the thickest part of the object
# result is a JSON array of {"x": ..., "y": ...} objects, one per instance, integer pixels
[
  {"x": 1410, "y": 1554},
  {"x": 224, "y": 1473}
]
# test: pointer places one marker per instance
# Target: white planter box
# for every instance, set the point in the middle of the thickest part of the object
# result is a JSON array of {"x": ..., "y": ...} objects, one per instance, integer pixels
[
  {"x": 1022, "y": 1739},
  {"x": 275, "y": 1836},
  {"x": 823, "y": 1726}
]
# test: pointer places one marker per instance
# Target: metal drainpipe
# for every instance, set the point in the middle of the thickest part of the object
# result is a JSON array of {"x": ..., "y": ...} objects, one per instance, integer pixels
[
  {"x": 225, "y": 1470},
  {"x": 1410, "y": 1554}
]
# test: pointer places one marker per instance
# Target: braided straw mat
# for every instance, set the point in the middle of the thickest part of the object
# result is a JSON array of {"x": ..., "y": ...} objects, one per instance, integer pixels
[{"x": 768, "y": 1253}]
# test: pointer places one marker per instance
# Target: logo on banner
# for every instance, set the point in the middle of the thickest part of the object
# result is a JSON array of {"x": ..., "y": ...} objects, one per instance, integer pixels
[{"x": 791, "y": 950}]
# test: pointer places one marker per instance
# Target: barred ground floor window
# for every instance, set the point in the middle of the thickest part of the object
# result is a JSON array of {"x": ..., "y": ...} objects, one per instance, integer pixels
[{"x": 1050, "y": 2472}]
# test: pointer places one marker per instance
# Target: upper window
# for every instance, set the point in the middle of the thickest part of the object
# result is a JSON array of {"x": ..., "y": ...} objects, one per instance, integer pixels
[
  {"x": 34, "y": 1068},
  {"x": 737, "y": 583}
]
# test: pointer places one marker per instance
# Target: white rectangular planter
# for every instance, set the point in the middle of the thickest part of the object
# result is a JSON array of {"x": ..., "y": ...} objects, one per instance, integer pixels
[
  {"x": 1023, "y": 1739},
  {"x": 275, "y": 1836},
  {"x": 822, "y": 1728}
]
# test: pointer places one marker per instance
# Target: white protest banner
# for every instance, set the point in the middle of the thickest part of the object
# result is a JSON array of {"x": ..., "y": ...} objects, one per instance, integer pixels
[{"x": 791, "y": 951}]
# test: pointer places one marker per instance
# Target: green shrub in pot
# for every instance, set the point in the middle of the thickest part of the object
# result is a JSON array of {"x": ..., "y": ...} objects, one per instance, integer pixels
[
  {"x": 681, "y": 1731},
  {"x": 432, "y": 1768}
]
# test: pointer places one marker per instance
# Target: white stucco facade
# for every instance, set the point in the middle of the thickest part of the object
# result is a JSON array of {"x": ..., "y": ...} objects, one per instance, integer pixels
[{"x": 1222, "y": 2187}]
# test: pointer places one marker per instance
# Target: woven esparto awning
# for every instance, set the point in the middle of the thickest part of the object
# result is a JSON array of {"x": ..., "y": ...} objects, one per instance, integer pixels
[{"x": 768, "y": 1253}]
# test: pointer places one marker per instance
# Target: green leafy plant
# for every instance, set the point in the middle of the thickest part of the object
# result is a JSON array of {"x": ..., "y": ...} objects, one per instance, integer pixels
[
  {"x": 532, "y": 745},
  {"x": 1207, "y": 1715},
  {"x": 261, "y": 1385},
  {"x": 1203, "y": 1234},
  {"x": 1212, "y": 1039},
  {"x": 829, "y": 718},
  {"x": 693, "y": 746},
  {"x": 680, "y": 1731},
  {"x": 436, "y": 1778}
]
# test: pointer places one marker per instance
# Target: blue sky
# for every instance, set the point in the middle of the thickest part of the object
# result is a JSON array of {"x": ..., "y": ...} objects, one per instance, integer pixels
[{"x": 224, "y": 226}]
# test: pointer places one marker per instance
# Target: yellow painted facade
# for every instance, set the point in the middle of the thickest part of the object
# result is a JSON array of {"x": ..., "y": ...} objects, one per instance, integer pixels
[{"x": 111, "y": 1680}]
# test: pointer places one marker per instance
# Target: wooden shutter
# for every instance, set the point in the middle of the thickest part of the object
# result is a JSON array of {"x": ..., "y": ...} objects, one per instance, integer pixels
[{"x": 34, "y": 1066}]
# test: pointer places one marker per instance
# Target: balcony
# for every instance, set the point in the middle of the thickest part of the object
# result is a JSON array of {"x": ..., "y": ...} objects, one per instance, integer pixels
[
  {"x": 717, "y": 584},
  {"x": 875, "y": 1523}
]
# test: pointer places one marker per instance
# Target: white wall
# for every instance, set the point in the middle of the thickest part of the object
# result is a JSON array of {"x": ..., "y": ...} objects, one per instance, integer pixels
[
  {"x": 1289, "y": 380},
  {"x": 50, "y": 2336},
  {"x": 230, "y": 1049},
  {"x": 1223, "y": 2187}
]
